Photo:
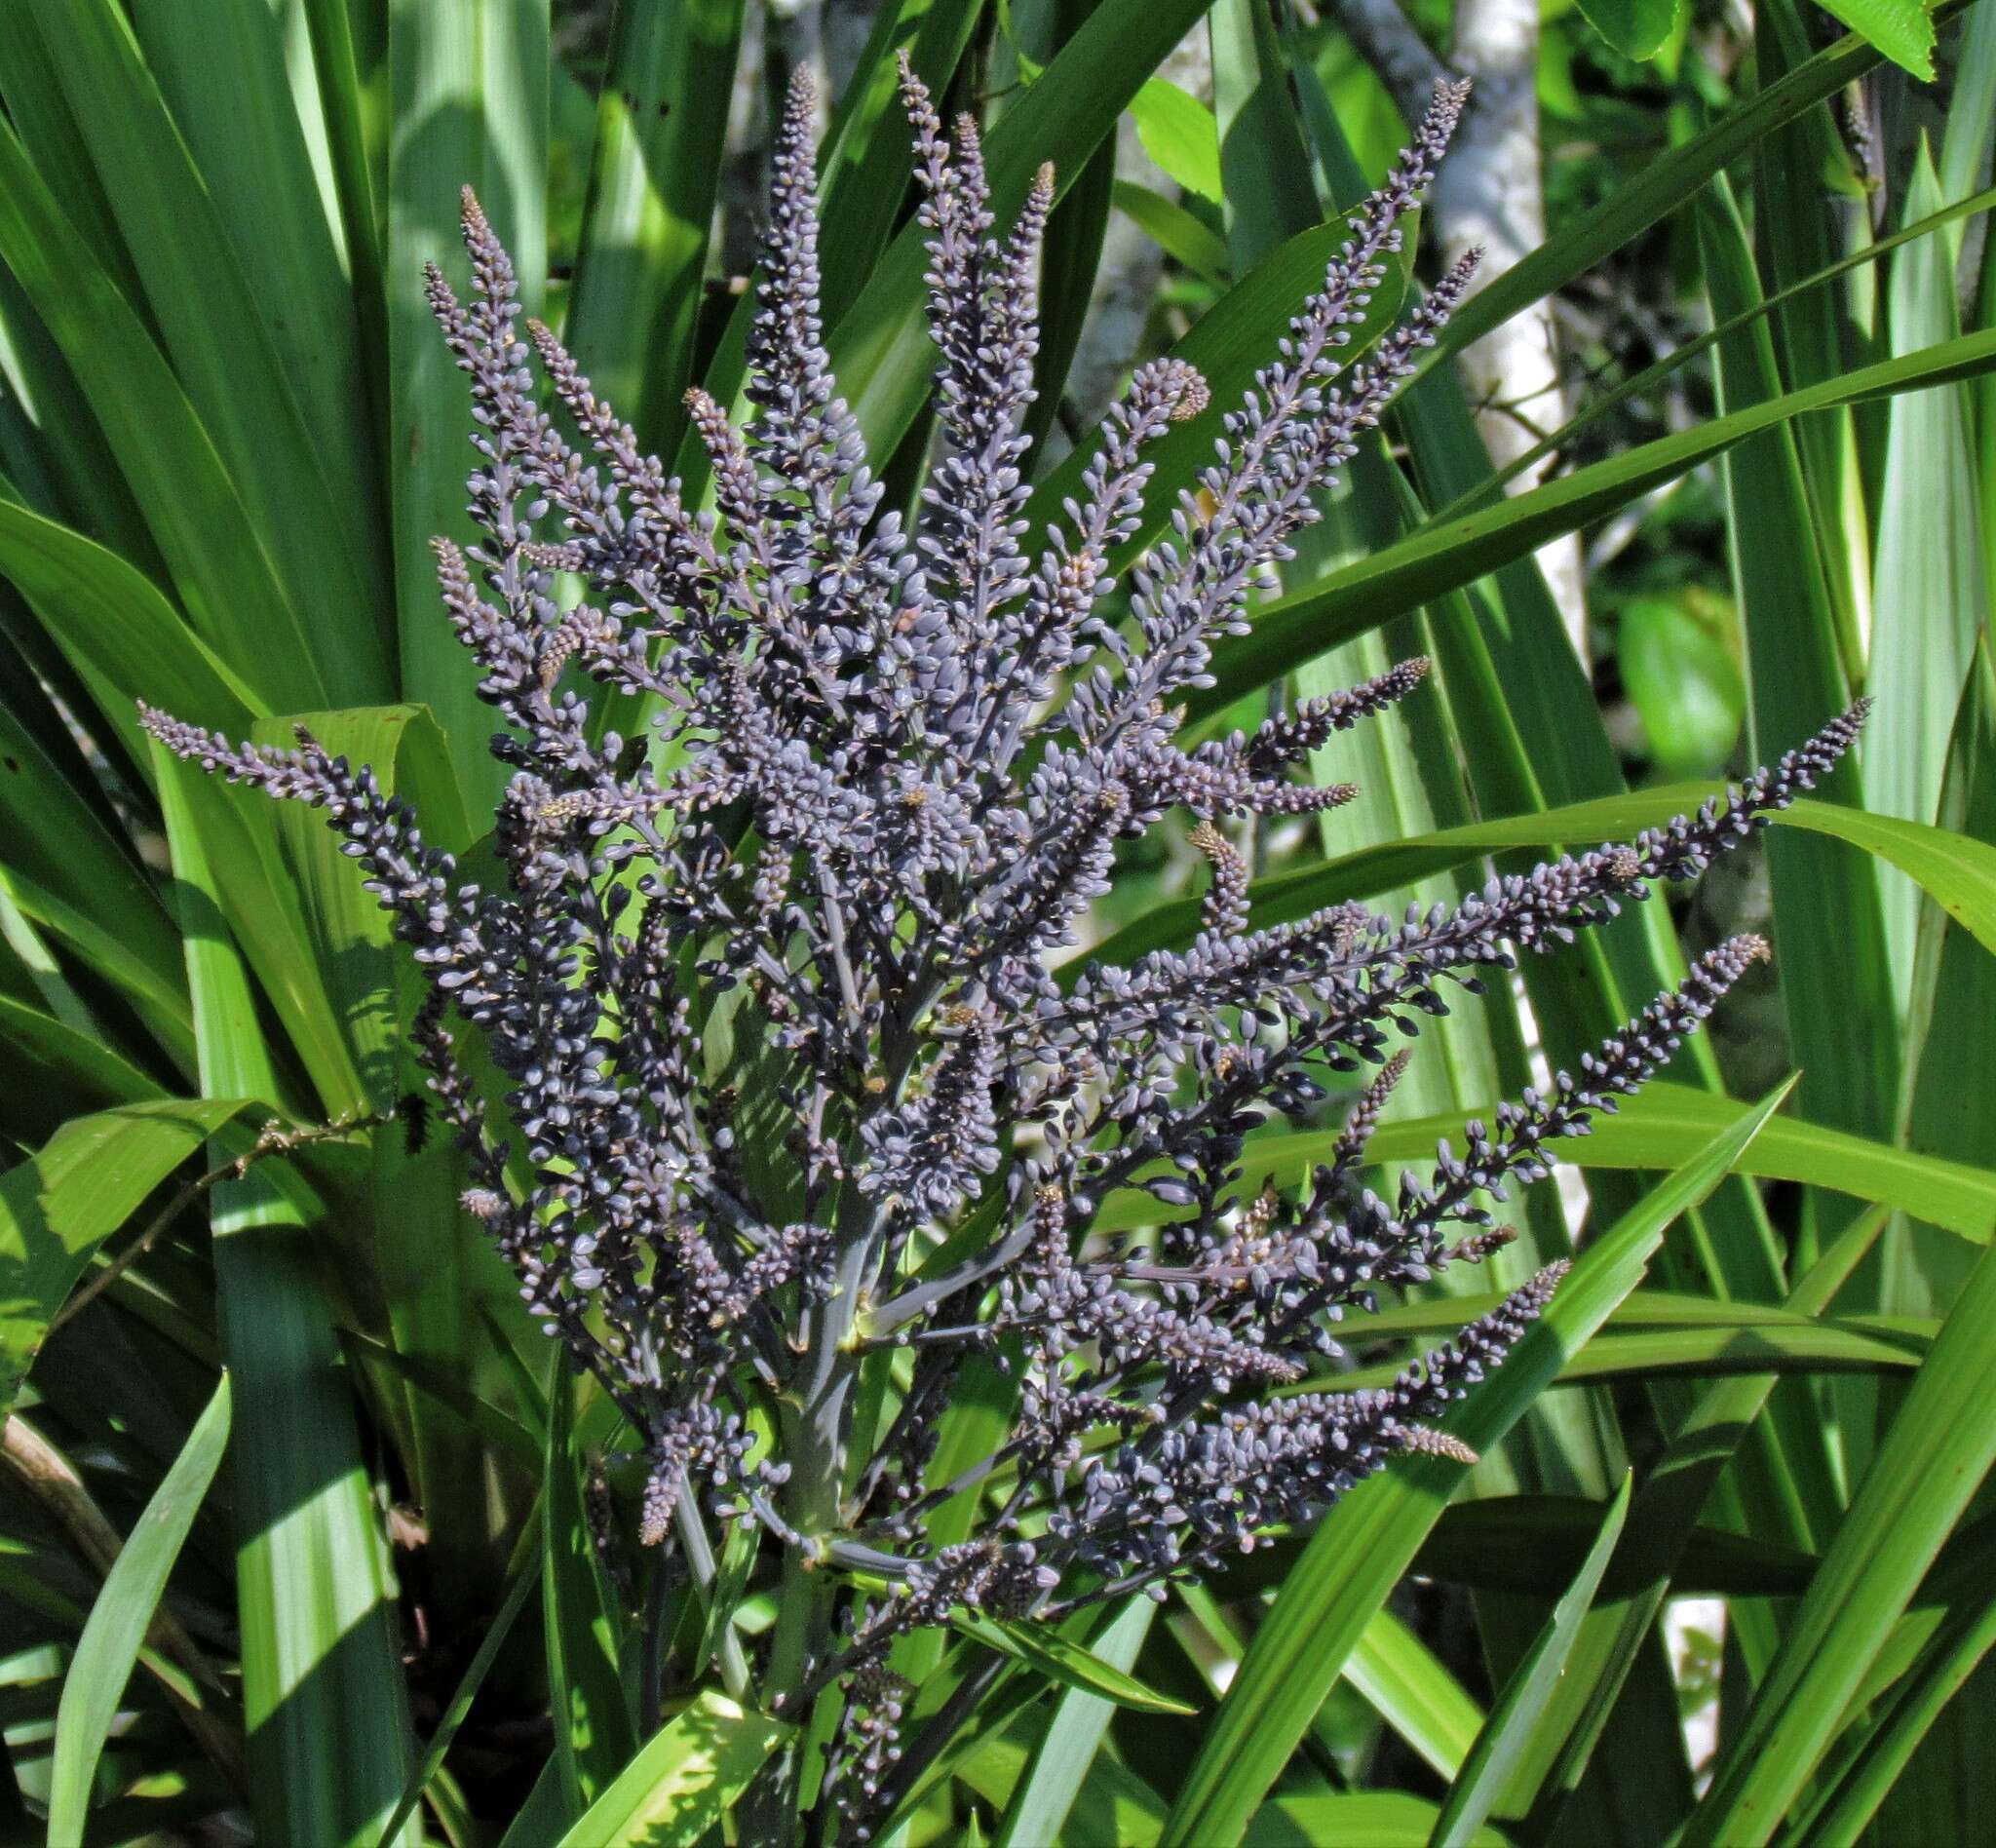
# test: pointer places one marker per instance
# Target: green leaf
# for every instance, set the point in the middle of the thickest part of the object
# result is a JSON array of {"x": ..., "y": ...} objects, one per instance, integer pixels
[
  {"x": 67, "y": 1070},
  {"x": 1926, "y": 1470},
  {"x": 1534, "y": 1545},
  {"x": 252, "y": 127},
  {"x": 1065, "y": 1662},
  {"x": 1930, "y": 600},
  {"x": 1501, "y": 1746},
  {"x": 661, "y": 125},
  {"x": 1655, "y": 1545},
  {"x": 499, "y": 1625},
  {"x": 1661, "y": 1127},
  {"x": 1847, "y": 1805},
  {"x": 1636, "y": 28},
  {"x": 1956, "y": 870},
  {"x": 1174, "y": 231},
  {"x": 1177, "y": 131},
  {"x": 1412, "y": 1690},
  {"x": 1713, "y": 1352},
  {"x": 594, "y": 1738},
  {"x": 325, "y": 1665},
  {"x": 468, "y": 106},
  {"x": 683, "y": 1780},
  {"x": 1039, "y": 1804},
  {"x": 109, "y": 1645},
  {"x": 1952, "y": 1063},
  {"x": 1378, "y": 1819},
  {"x": 223, "y": 352},
  {"x": 57, "y": 1206},
  {"x": 227, "y": 587},
  {"x": 1832, "y": 985},
  {"x": 1448, "y": 553},
  {"x": 1660, "y": 187},
  {"x": 1902, "y": 29},
  {"x": 125, "y": 640},
  {"x": 1368, "y": 1538},
  {"x": 1684, "y": 680}
]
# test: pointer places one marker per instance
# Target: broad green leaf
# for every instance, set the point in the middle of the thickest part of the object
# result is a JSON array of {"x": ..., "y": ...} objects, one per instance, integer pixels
[
  {"x": 661, "y": 126},
  {"x": 1712, "y": 1353},
  {"x": 1379, "y": 1819},
  {"x": 1662, "y": 1126},
  {"x": 468, "y": 106},
  {"x": 1636, "y": 28},
  {"x": 1660, "y": 187},
  {"x": 1958, "y": 871},
  {"x": 544, "y": 1814},
  {"x": 59, "y": 845},
  {"x": 259, "y": 895},
  {"x": 57, "y": 1206},
  {"x": 125, "y": 640},
  {"x": 193, "y": 508},
  {"x": 1656, "y": 1542},
  {"x": 1637, "y": 385},
  {"x": 1930, "y": 598},
  {"x": 1177, "y": 131},
  {"x": 1902, "y": 29},
  {"x": 1368, "y": 1539},
  {"x": 330, "y": 99},
  {"x": 1039, "y": 1804},
  {"x": 525, "y": 1580},
  {"x": 1413, "y": 1691},
  {"x": 1967, "y": 139},
  {"x": 1113, "y": 1804},
  {"x": 1845, "y": 1814},
  {"x": 593, "y": 1731},
  {"x": 1174, "y": 231},
  {"x": 108, "y": 1648},
  {"x": 684, "y": 1778},
  {"x": 1065, "y": 1662},
  {"x": 1534, "y": 1545},
  {"x": 1952, "y": 1064},
  {"x": 252, "y": 128},
  {"x": 63, "y": 1071},
  {"x": 1928, "y": 1466},
  {"x": 1797, "y": 170},
  {"x": 498, "y": 1429},
  {"x": 1447, "y": 553},
  {"x": 1834, "y": 989},
  {"x": 1684, "y": 679},
  {"x": 325, "y": 1665},
  {"x": 1522, "y": 1705},
  {"x": 322, "y": 542}
]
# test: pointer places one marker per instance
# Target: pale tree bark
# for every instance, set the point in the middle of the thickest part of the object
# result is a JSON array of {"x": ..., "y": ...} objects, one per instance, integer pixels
[
  {"x": 1490, "y": 194},
  {"x": 1127, "y": 279}
]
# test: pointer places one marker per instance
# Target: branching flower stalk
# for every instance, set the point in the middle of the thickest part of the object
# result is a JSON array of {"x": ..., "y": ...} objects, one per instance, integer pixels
[{"x": 804, "y": 1123}]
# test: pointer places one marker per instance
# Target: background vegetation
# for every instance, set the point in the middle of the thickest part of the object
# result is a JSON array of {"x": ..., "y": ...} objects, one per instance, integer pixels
[{"x": 301, "y": 1533}]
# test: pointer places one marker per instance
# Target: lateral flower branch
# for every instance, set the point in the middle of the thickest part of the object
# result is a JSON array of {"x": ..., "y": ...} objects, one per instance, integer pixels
[{"x": 807, "y": 1124}]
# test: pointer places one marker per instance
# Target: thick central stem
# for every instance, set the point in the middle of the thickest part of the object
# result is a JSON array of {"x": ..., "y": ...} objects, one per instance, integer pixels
[{"x": 817, "y": 1421}]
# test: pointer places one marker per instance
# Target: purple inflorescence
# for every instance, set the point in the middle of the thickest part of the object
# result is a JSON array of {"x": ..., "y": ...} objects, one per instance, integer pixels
[{"x": 807, "y": 1124}]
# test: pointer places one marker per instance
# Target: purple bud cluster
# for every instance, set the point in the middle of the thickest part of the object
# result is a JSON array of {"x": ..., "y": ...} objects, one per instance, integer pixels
[{"x": 792, "y": 1123}]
